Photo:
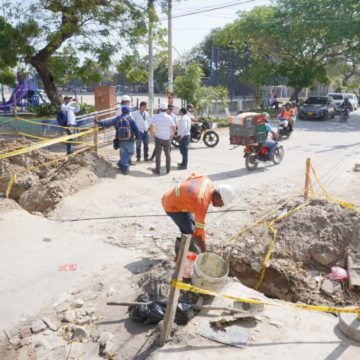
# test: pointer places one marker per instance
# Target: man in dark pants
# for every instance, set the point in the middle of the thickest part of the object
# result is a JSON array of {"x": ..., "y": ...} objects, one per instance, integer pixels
[
  {"x": 163, "y": 126},
  {"x": 184, "y": 126}
]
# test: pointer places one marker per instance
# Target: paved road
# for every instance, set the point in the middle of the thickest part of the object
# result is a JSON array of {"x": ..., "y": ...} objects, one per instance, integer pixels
[{"x": 33, "y": 248}]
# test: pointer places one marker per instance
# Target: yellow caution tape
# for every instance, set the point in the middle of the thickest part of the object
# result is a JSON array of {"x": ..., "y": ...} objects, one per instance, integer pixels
[
  {"x": 45, "y": 124},
  {"x": 34, "y": 168},
  {"x": 42, "y": 138},
  {"x": 10, "y": 184},
  {"x": 44, "y": 143},
  {"x": 273, "y": 231},
  {"x": 321, "y": 308}
]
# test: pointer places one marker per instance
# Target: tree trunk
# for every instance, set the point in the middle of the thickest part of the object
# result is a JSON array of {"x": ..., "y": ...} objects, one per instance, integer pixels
[
  {"x": 47, "y": 78},
  {"x": 295, "y": 94}
]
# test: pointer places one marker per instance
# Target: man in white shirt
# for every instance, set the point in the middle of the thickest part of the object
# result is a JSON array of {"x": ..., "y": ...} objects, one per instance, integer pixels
[
  {"x": 184, "y": 126},
  {"x": 70, "y": 112},
  {"x": 142, "y": 121},
  {"x": 163, "y": 126}
]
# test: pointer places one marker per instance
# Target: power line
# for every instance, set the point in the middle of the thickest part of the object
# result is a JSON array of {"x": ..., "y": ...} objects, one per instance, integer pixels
[{"x": 209, "y": 9}]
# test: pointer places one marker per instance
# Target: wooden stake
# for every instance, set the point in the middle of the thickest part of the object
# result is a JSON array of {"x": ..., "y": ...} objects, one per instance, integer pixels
[
  {"x": 174, "y": 293},
  {"x": 307, "y": 179},
  {"x": 96, "y": 130}
]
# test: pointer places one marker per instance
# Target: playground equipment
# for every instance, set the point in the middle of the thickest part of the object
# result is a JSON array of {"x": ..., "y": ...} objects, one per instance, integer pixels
[{"x": 25, "y": 94}]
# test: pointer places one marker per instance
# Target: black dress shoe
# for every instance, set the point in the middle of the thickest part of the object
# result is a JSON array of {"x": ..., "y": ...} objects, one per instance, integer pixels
[
  {"x": 180, "y": 164},
  {"x": 154, "y": 171},
  {"x": 182, "y": 167}
]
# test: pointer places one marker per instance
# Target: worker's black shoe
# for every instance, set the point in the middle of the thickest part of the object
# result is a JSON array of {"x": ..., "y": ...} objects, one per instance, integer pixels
[{"x": 154, "y": 171}]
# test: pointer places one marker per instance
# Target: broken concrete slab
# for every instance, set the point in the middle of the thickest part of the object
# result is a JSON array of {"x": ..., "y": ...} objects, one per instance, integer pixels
[
  {"x": 353, "y": 267},
  {"x": 77, "y": 303},
  {"x": 51, "y": 324},
  {"x": 350, "y": 326},
  {"x": 69, "y": 316},
  {"x": 233, "y": 336},
  {"x": 38, "y": 326},
  {"x": 330, "y": 287},
  {"x": 25, "y": 331},
  {"x": 88, "y": 351}
]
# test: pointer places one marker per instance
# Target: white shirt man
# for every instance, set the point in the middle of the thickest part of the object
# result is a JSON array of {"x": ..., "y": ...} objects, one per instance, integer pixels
[
  {"x": 163, "y": 126},
  {"x": 184, "y": 126},
  {"x": 70, "y": 111},
  {"x": 142, "y": 119}
]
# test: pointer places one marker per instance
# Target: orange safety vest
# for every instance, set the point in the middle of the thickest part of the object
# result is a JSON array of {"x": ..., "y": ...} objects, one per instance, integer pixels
[
  {"x": 287, "y": 114},
  {"x": 194, "y": 195}
]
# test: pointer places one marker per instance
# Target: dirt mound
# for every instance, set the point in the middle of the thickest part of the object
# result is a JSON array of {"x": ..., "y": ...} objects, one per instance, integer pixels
[
  {"x": 308, "y": 244},
  {"x": 43, "y": 188}
]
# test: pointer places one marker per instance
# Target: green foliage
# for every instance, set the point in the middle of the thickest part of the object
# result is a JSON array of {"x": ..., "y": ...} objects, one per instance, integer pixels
[
  {"x": 290, "y": 42},
  {"x": 52, "y": 109},
  {"x": 44, "y": 34}
]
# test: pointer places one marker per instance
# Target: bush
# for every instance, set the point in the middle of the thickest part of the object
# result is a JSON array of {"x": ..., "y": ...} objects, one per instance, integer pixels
[{"x": 52, "y": 109}]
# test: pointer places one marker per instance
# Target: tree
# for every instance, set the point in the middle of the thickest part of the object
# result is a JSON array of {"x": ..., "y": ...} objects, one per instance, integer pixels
[
  {"x": 100, "y": 28},
  {"x": 295, "y": 39}
]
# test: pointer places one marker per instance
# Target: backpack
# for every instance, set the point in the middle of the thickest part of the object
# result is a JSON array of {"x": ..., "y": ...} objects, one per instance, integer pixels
[
  {"x": 123, "y": 128},
  {"x": 61, "y": 118}
]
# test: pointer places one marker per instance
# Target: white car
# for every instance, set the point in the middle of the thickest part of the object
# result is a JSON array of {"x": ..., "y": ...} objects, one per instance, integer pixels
[
  {"x": 339, "y": 98},
  {"x": 353, "y": 100}
]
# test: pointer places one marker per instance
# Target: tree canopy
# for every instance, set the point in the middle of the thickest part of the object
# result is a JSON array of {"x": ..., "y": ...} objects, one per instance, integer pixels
[
  {"x": 97, "y": 29},
  {"x": 295, "y": 40}
]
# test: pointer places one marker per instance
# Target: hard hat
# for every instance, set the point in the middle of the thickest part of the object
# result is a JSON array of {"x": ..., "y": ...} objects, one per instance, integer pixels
[
  {"x": 163, "y": 106},
  {"x": 226, "y": 192},
  {"x": 125, "y": 109},
  {"x": 126, "y": 98}
]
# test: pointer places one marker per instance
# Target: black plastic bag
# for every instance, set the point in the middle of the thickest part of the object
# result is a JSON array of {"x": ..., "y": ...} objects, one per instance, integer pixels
[{"x": 154, "y": 312}]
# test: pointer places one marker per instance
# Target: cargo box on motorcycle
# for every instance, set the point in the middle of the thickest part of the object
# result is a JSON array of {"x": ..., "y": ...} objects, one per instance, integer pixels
[{"x": 247, "y": 128}]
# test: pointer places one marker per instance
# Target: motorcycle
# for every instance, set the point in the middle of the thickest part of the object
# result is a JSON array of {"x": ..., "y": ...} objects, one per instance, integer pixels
[
  {"x": 344, "y": 114},
  {"x": 202, "y": 130},
  {"x": 285, "y": 129},
  {"x": 253, "y": 154}
]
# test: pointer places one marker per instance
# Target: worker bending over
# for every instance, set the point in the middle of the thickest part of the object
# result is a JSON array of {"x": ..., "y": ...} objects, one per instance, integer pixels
[{"x": 188, "y": 203}]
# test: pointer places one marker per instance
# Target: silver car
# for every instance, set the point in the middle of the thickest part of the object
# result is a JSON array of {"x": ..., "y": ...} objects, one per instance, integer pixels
[{"x": 318, "y": 108}]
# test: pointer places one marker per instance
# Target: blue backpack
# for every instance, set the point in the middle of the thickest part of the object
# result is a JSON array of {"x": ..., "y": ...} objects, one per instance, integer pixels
[
  {"x": 61, "y": 118},
  {"x": 123, "y": 128}
]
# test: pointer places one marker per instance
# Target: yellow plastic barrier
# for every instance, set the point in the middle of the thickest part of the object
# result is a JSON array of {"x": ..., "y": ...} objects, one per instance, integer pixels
[
  {"x": 10, "y": 184},
  {"x": 321, "y": 308}
]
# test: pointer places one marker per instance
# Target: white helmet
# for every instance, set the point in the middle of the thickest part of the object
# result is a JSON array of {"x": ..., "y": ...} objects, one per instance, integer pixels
[
  {"x": 125, "y": 98},
  {"x": 226, "y": 192},
  {"x": 163, "y": 106},
  {"x": 266, "y": 116}
]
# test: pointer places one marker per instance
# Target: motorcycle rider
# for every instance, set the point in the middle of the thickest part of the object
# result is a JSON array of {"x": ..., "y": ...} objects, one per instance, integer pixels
[
  {"x": 287, "y": 114},
  {"x": 346, "y": 106},
  {"x": 271, "y": 135},
  {"x": 295, "y": 112}
]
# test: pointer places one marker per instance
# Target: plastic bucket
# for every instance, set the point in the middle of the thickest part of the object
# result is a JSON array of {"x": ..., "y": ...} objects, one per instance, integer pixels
[{"x": 210, "y": 271}]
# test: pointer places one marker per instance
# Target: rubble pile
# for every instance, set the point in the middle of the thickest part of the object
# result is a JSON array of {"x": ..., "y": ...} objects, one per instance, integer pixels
[
  {"x": 308, "y": 244},
  {"x": 43, "y": 188}
]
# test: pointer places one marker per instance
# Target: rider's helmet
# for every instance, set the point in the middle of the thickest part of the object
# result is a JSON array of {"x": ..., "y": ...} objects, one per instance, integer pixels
[
  {"x": 190, "y": 107},
  {"x": 125, "y": 98},
  {"x": 266, "y": 116}
]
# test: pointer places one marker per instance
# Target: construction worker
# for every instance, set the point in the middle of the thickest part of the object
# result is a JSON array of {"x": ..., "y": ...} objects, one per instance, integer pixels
[{"x": 188, "y": 203}]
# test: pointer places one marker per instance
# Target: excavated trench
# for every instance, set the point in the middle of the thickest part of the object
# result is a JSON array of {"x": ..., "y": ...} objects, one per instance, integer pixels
[
  {"x": 41, "y": 189},
  {"x": 308, "y": 244}
]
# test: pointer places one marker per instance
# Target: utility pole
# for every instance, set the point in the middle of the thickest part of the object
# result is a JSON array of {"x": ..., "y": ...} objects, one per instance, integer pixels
[
  {"x": 170, "y": 60},
  {"x": 151, "y": 13}
]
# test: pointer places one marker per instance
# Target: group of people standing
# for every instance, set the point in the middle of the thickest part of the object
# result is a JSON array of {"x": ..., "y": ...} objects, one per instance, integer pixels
[{"x": 133, "y": 131}]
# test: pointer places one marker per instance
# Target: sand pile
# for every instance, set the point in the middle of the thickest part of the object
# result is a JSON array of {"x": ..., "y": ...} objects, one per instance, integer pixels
[
  {"x": 308, "y": 244},
  {"x": 43, "y": 188}
]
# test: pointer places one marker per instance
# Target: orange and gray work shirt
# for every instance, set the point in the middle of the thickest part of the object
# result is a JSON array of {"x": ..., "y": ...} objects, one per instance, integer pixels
[{"x": 194, "y": 195}]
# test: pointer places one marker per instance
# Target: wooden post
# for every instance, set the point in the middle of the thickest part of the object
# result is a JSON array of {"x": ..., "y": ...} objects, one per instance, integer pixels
[
  {"x": 96, "y": 142},
  {"x": 174, "y": 293},
  {"x": 307, "y": 179}
]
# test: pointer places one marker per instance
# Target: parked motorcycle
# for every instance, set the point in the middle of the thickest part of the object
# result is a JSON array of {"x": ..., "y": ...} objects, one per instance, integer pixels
[
  {"x": 344, "y": 114},
  {"x": 253, "y": 154},
  {"x": 284, "y": 129},
  {"x": 202, "y": 130}
]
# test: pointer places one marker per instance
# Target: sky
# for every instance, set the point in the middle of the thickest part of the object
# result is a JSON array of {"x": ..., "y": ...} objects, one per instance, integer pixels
[{"x": 190, "y": 30}]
